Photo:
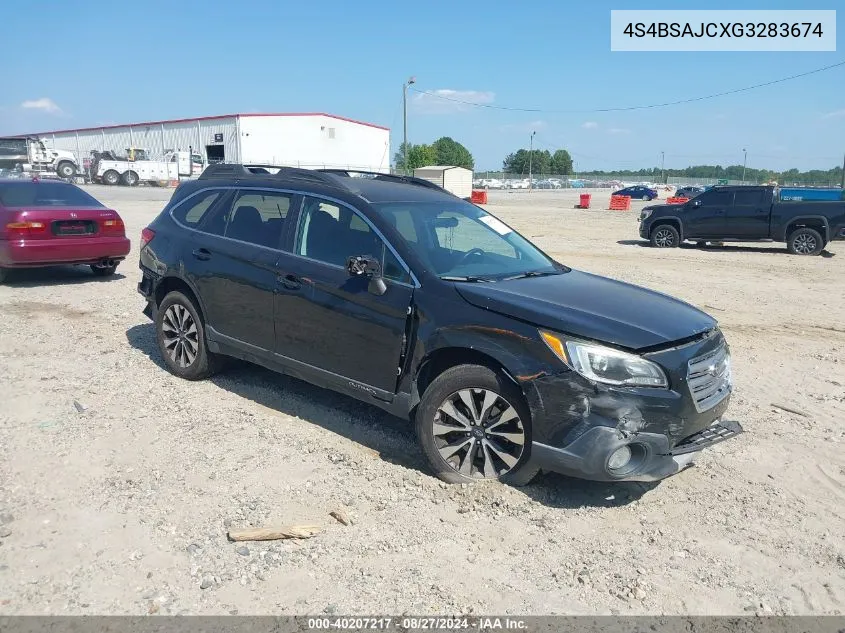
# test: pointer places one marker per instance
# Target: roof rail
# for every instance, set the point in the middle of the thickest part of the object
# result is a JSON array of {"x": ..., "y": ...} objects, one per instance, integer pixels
[
  {"x": 249, "y": 171},
  {"x": 377, "y": 175}
]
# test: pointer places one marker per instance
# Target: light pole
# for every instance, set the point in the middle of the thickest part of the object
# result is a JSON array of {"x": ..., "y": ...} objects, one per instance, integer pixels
[
  {"x": 405, "y": 122},
  {"x": 530, "y": 158},
  {"x": 744, "y": 163},
  {"x": 662, "y": 171}
]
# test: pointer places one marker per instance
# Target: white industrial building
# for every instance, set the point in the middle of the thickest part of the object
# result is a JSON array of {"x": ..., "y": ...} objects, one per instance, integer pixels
[{"x": 309, "y": 140}]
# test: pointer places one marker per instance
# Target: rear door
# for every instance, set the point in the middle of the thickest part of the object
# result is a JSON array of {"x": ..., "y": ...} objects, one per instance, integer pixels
[
  {"x": 232, "y": 262},
  {"x": 329, "y": 320},
  {"x": 707, "y": 215},
  {"x": 748, "y": 218}
]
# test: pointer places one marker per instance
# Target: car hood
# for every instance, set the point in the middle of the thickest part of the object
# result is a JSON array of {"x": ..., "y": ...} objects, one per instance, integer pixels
[{"x": 592, "y": 307}]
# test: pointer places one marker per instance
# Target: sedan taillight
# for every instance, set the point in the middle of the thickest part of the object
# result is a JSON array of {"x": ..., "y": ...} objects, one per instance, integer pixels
[
  {"x": 21, "y": 230},
  {"x": 113, "y": 226}
]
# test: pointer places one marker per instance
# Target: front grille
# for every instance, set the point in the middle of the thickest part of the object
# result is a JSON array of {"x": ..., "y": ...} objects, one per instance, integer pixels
[{"x": 709, "y": 378}]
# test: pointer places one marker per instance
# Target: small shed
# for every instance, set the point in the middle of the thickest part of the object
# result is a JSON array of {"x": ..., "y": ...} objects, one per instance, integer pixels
[{"x": 457, "y": 180}]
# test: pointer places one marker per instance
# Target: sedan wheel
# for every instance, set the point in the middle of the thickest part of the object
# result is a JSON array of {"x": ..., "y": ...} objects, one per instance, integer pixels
[{"x": 479, "y": 434}]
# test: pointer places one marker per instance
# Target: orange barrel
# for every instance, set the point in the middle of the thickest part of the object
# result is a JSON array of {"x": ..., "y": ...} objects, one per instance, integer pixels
[
  {"x": 479, "y": 196},
  {"x": 585, "y": 201}
]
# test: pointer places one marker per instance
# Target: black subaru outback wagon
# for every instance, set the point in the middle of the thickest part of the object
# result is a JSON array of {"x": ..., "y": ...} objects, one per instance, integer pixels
[{"x": 396, "y": 292}]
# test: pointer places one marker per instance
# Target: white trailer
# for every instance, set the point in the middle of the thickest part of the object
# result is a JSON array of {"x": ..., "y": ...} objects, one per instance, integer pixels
[{"x": 456, "y": 180}]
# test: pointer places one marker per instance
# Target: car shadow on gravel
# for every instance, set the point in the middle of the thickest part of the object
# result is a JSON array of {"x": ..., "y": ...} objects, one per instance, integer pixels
[
  {"x": 55, "y": 276},
  {"x": 389, "y": 436},
  {"x": 725, "y": 248}
]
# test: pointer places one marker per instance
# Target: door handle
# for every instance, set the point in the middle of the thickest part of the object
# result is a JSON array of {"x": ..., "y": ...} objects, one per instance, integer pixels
[
  {"x": 201, "y": 254},
  {"x": 290, "y": 282}
]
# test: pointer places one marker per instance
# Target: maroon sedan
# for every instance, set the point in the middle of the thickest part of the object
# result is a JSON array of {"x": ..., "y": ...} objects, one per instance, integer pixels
[{"x": 50, "y": 222}]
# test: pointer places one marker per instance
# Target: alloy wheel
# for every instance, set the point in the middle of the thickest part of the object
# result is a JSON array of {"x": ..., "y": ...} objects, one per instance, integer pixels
[
  {"x": 804, "y": 243},
  {"x": 479, "y": 433},
  {"x": 180, "y": 335},
  {"x": 664, "y": 238}
]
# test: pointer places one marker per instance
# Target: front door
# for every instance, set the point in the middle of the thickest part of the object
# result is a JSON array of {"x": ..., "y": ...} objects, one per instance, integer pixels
[
  {"x": 706, "y": 214},
  {"x": 748, "y": 218},
  {"x": 331, "y": 321},
  {"x": 233, "y": 264}
]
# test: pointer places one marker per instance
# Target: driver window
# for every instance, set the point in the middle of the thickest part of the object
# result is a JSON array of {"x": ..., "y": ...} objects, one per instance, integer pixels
[
  {"x": 467, "y": 234},
  {"x": 331, "y": 234}
]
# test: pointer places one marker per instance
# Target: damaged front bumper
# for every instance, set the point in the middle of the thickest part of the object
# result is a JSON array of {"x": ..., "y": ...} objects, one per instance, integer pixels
[
  {"x": 605, "y": 433},
  {"x": 650, "y": 456}
]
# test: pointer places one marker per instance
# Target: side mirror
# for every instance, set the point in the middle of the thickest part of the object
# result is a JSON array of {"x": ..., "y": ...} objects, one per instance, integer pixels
[{"x": 367, "y": 266}]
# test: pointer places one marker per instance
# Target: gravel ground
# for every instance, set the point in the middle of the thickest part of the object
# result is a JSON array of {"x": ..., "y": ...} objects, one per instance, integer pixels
[{"x": 118, "y": 481}]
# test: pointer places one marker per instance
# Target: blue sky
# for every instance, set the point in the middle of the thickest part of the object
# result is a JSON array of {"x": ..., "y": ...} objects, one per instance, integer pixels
[{"x": 186, "y": 58}]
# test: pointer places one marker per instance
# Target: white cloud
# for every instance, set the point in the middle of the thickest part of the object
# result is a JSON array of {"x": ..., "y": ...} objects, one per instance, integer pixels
[
  {"x": 446, "y": 100},
  {"x": 589, "y": 125},
  {"x": 618, "y": 130},
  {"x": 43, "y": 104},
  {"x": 834, "y": 115}
]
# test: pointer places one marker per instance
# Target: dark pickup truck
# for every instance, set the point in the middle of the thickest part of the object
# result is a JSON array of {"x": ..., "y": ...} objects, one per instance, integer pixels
[{"x": 745, "y": 214}]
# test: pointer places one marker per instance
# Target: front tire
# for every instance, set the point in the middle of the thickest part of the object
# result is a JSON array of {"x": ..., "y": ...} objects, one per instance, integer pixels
[
  {"x": 474, "y": 425},
  {"x": 66, "y": 170},
  {"x": 665, "y": 236},
  {"x": 805, "y": 241},
  {"x": 180, "y": 334}
]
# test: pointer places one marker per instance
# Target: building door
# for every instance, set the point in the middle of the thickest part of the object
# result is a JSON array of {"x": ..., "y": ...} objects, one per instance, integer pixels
[{"x": 215, "y": 153}]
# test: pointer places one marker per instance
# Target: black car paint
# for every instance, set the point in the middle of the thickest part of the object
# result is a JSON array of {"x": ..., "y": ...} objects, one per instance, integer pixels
[
  {"x": 766, "y": 220},
  {"x": 328, "y": 330}
]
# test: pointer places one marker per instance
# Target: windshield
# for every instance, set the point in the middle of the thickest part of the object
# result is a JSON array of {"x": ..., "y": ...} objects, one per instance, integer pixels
[
  {"x": 44, "y": 194},
  {"x": 461, "y": 240}
]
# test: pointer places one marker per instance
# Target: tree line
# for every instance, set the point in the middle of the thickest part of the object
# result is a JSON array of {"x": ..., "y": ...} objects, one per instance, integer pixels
[
  {"x": 443, "y": 151},
  {"x": 447, "y": 151},
  {"x": 731, "y": 172}
]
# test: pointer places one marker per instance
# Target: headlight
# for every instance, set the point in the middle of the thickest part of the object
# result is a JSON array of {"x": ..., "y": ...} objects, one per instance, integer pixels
[
  {"x": 606, "y": 365},
  {"x": 645, "y": 213}
]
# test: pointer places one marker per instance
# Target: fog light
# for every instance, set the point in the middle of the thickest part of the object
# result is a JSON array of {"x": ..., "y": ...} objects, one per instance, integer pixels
[{"x": 619, "y": 458}]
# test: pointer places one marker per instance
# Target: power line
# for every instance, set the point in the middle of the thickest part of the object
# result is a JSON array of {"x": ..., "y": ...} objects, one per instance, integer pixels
[{"x": 491, "y": 106}]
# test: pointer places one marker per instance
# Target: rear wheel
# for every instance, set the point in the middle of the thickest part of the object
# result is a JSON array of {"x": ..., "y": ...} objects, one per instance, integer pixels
[
  {"x": 4, "y": 275},
  {"x": 474, "y": 425},
  {"x": 665, "y": 236},
  {"x": 103, "y": 271},
  {"x": 805, "y": 241},
  {"x": 647, "y": 197},
  {"x": 180, "y": 334},
  {"x": 111, "y": 177},
  {"x": 130, "y": 179}
]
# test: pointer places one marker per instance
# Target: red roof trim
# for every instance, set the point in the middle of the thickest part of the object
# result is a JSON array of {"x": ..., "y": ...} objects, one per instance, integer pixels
[{"x": 208, "y": 118}]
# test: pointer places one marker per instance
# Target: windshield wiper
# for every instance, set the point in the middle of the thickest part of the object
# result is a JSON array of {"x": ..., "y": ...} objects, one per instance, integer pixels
[
  {"x": 532, "y": 273},
  {"x": 472, "y": 278}
]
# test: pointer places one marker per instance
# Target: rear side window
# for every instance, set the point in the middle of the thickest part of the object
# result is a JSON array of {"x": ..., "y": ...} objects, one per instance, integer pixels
[
  {"x": 258, "y": 217},
  {"x": 715, "y": 198},
  {"x": 748, "y": 198},
  {"x": 45, "y": 194},
  {"x": 192, "y": 211}
]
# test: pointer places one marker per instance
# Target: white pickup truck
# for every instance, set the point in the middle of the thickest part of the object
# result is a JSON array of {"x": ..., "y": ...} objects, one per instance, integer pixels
[{"x": 27, "y": 153}]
